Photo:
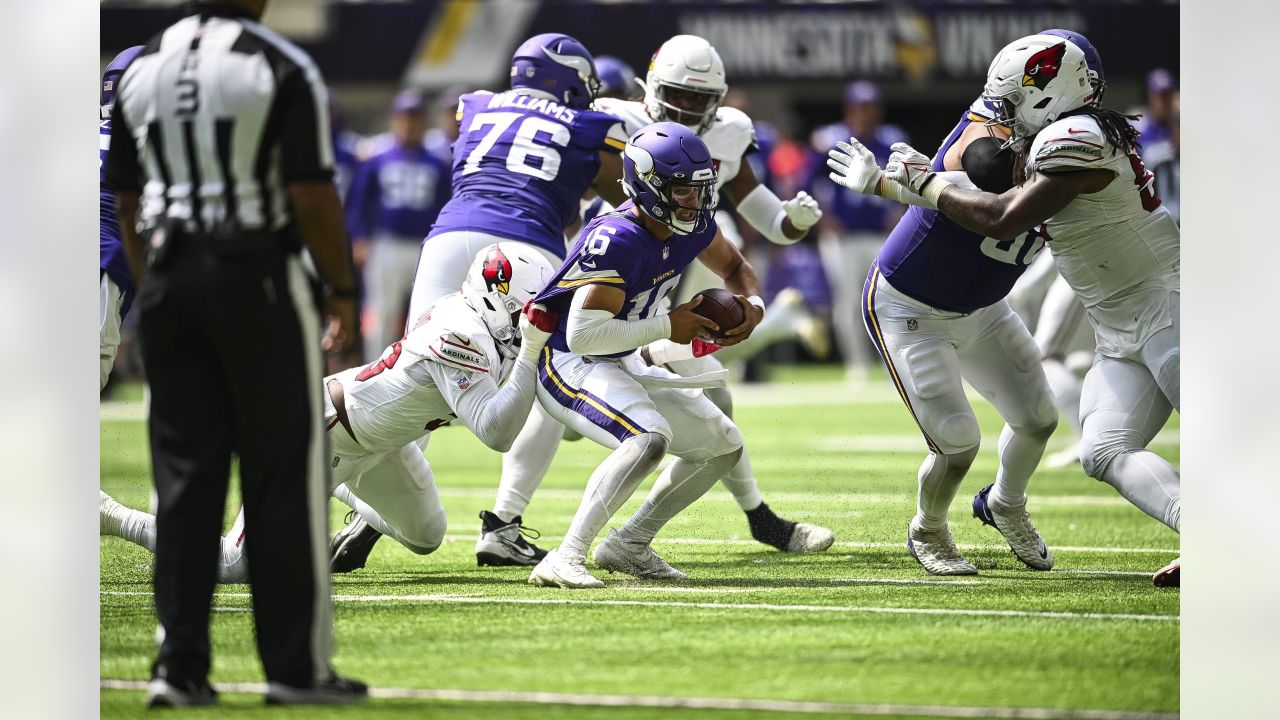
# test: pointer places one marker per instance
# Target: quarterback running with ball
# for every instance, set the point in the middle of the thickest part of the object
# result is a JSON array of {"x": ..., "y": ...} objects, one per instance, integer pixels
[{"x": 610, "y": 293}]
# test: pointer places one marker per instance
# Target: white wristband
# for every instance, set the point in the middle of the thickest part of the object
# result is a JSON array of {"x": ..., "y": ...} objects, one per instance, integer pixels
[
  {"x": 757, "y": 301},
  {"x": 933, "y": 189}
]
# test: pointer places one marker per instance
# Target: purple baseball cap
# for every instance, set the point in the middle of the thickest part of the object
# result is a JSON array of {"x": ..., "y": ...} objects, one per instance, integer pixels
[
  {"x": 410, "y": 101},
  {"x": 1160, "y": 80},
  {"x": 862, "y": 92}
]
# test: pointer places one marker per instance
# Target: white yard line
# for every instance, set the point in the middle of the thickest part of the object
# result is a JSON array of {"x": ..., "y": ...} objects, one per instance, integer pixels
[
  {"x": 765, "y": 607},
  {"x": 862, "y": 545},
  {"x": 664, "y": 701},
  {"x": 878, "y": 442}
]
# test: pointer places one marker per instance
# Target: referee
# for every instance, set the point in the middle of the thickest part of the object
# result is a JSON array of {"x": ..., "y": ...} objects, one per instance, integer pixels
[{"x": 222, "y": 163}]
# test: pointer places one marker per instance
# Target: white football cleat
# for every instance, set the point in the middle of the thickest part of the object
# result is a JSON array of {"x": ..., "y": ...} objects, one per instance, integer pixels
[
  {"x": 636, "y": 559},
  {"x": 556, "y": 570},
  {"x": 1015, "y": 525},
  {"x": 108, "y": 519},
  {"x": 937, "y": 553},
  {"x": 810, "y": 538},
  {"x": 809, "y": 328}
]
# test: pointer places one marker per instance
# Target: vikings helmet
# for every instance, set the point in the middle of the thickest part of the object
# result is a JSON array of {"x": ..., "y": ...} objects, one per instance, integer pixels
[
  {"x": 617, "y": 79},
  {"x": 1091, "y": 58},
  {"x": 115, "y": 70},
  {"x": 686, "y": 83},
  {"x": 556, "y": 64},
  {"x": 1034, "y": 81},
  {"x": 502, "y": 278},
  {"x": 667, "y": 171}
]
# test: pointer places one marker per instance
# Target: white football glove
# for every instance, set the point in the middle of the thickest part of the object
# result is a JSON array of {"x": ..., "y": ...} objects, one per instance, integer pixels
[
  {"x": 802, "y": 210},
  {"x": 537, "y": 324},
  {"x": 855, "y": 167},
  {"x": 908, "y": 167}
]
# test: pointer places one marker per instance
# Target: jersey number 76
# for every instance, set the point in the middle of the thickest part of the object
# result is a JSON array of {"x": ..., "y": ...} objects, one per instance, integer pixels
[{"x": 524, "y": 147}]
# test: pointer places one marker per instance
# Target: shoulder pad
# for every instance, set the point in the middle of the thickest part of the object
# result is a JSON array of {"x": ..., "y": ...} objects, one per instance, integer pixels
[
  {"x": 612, "y": 129},
  {"x": 1071, "y": 143},
  {"x": 731, "y": 135},
  {"x": 631, "y": 113},
  {"x": 453, "y": 335}
]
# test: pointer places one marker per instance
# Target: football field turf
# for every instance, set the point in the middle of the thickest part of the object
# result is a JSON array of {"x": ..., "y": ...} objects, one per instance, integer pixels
[{"x": 859, "y": 630}]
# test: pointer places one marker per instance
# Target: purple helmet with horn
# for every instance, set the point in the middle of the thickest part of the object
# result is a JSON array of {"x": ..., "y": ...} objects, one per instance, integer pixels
[
  {"x": 556, "y": 64},
  {"x": 668, "y": 172}
]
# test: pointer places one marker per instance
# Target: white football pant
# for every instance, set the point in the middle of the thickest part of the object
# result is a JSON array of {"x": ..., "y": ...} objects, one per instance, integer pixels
[
  {"x": 929, "y": 352},
  {"x": 387, "y": 280},
  {"x": 110, "y": 298}
]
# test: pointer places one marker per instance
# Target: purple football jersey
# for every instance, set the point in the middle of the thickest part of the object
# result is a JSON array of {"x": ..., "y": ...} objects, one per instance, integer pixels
[
  {"x": 851, "y": 211},
  {"x": 399, "y": 191},
  {"x": 931, "y": 258},
  {"x": 520, "y": 165},
  {"x": 616, "y": 250},
  {"x": 111, "y": 257}
]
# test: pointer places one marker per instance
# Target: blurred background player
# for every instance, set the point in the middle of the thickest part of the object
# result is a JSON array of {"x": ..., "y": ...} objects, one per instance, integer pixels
[
  {"x": 617, "y": 79},
  {"x": 1155, "y": 127},
  {"x": 395, "y": 197},
  {"x": 444, "y": 124},
  {"x": 854, "y": 225},
  {"x": 1168, "y": 171},
  {"x": 1088, "y": 190},
  {"x": 610, "y": 292}
]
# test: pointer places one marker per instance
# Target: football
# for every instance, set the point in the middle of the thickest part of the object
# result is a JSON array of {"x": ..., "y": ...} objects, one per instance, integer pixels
[{"x": 721, "y": 307}]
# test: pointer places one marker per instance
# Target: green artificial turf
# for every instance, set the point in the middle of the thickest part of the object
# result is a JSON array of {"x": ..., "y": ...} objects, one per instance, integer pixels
[{"x": 840, "y": 627}]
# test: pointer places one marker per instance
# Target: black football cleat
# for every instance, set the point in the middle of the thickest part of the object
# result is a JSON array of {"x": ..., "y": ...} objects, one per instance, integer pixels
[
  {"x": 351, "y": 546},
  {"x": 502, "y": 543},
  {"x": 336, "y": 690},
  {"x": 777, "y": 532}
]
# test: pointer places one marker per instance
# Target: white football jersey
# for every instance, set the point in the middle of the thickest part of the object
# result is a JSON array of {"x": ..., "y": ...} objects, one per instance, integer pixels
[
  {"x": 1118, "y": 248},
  {"x": 413, "y": 388},
  {"x": 728, "y": 139}
]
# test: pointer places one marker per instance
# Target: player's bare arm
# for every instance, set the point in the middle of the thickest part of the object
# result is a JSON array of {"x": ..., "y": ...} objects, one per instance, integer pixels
[
  {"x": 725, "y": 260},
  {"x": 323, "y": 229},
  {"x": 608, "y": 180},
  {"x": 127, "y": 208},
  {"x": 1007, "y": 216}
]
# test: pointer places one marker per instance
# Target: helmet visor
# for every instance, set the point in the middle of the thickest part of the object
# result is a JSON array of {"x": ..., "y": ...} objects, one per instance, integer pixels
[
  {"x": 691, "y": 107},
  {"x": 691, "y": 204}
]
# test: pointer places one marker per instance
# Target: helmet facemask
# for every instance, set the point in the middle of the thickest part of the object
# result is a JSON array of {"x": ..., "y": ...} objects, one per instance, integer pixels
[{"x": 695, "y": 108}]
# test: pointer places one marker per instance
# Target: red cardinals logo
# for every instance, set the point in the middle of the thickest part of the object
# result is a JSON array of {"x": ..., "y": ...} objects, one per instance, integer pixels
[
  {"x": 497, "y": 272},
  {"x": 1043, "y": 67}
]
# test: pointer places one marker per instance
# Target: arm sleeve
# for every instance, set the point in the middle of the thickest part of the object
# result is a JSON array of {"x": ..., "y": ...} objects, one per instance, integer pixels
[
  {"x": 598, "y": 332},
  {"x": 123, "y": 174},
  {"x": 763, "y": 211},
  {"x": 306, "y": 145},
  {"x": 494, "y": 414}
]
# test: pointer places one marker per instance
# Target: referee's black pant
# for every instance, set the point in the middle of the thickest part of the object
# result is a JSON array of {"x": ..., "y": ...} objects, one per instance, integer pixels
[{"x": 232, "y": 351}]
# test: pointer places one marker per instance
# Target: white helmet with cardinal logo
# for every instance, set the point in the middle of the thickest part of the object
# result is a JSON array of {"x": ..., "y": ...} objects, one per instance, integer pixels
[
  {"x": 502, "y": 278},
  {"x": 1034, "y": 81}
]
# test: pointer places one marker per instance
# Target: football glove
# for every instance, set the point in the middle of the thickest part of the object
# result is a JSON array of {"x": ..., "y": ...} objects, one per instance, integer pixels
[
  {"x": 802, "y": 210},
  {"x": 537, "y": 323},
  {"x": 854, "y": 167},
  {"x": 908, "y": 167}
]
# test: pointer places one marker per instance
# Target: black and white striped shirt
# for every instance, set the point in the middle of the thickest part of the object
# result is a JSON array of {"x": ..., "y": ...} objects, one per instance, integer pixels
[{"x": 212, "y": 121}]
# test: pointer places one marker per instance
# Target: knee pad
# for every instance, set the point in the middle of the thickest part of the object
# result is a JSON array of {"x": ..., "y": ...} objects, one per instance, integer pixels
[
  {"x": 650, "y": 447},
  {"x": 1098, "y": 450},
  {"x": 959, "y": 434}
]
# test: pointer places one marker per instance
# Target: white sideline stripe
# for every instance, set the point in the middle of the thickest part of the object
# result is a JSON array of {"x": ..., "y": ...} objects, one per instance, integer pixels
[
  {"x": 969, "y": 612},
  {"x": 661, "y": 701},
  {"x": 907, "y": 443},
  {"x": 1126, "y": 573},
  {"x": 861, "y": 545}
]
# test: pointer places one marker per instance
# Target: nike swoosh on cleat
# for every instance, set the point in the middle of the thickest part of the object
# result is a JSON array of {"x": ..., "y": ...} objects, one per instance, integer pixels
[
  {"x": 1044, "y": 551},
  {"x": 1074, "y": 131}
]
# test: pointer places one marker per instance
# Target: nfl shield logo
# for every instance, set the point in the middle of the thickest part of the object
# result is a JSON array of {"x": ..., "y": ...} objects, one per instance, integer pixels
[
  {"x": 666, "y": 252},
  {"x": 463, "y": 383},
  {"x": 912, "y": 326}
]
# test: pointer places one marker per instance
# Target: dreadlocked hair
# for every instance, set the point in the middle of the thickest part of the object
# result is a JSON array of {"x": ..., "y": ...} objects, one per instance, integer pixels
[{"x": 1116, "y": 127}]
